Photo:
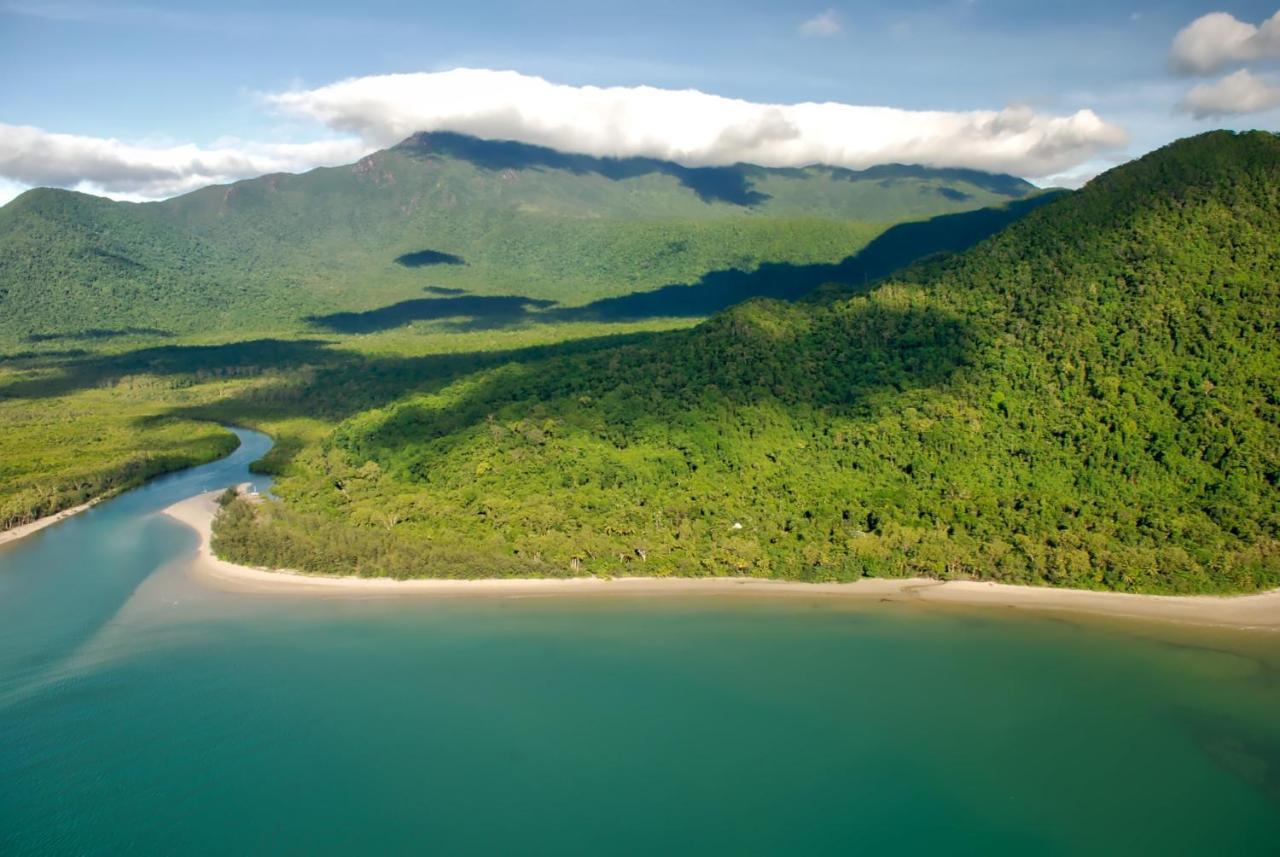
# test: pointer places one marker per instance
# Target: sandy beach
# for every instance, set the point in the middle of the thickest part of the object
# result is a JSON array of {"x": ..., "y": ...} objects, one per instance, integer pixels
[
  {"x": 15, "y": 533},
  {"x": 1259, "y": 612}
]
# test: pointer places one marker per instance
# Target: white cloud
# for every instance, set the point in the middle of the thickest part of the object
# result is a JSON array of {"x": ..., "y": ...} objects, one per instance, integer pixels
[
  {"x": 31, "y": 156},
  {"x": 697, "y": 129},
  {"x": 8, "y": 190},
  {"x": 687, "y": 126},
  {"x": 1236, "y": 93},
  {"x": 1218, "y": 39},
  {"x": 1074, "y": 179},
  {"x": 823, "y": 25}
]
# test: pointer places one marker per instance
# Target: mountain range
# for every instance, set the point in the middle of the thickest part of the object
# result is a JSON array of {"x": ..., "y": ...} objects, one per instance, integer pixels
[{"x": 444, "y": 226}]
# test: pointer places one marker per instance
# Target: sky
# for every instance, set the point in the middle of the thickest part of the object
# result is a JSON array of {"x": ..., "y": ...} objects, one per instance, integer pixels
[{"x": 142, "y": 101}]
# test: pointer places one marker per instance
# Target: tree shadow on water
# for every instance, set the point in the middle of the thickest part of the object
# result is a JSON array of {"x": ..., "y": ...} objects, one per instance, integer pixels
[{"x": 98, "y": 333}]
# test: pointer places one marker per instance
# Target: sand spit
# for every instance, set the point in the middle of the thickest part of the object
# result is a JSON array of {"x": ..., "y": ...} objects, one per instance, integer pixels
[{"x": 1259, "y": 612}]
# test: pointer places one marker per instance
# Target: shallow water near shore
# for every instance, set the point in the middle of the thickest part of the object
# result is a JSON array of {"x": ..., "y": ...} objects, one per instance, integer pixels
[{"x": 143, "y": 712}]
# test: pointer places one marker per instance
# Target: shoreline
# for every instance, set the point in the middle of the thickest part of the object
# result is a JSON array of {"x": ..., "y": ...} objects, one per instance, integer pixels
[
  {"x": 23, "y": 530},
  {"x": 1256, "y": 612}
]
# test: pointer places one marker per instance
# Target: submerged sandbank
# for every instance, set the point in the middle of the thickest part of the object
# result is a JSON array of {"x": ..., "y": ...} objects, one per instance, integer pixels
[
  {"x": 1251, "y": 612},
  {"x": 21, "y": 531}
]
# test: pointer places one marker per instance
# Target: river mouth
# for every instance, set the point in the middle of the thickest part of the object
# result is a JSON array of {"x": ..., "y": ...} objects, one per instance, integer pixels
[{"x": 142, "y": 711}]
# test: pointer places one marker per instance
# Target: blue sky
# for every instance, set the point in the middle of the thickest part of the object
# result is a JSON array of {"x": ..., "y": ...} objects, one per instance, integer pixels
[{"x": 195, "y": 73}]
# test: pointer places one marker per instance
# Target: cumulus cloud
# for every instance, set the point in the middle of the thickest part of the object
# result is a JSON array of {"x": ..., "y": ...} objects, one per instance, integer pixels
[
  {"x": 823, "y": 25},
  {"x": 1218, "y": 39},
  {"x": 698, "y": 129},
  {"x": 31, "y": 156},
  {"x": 1236, "y": 93}
]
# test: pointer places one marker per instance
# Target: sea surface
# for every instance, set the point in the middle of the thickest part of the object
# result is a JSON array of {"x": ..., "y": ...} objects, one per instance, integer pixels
[{"x": 143, "y": 712}]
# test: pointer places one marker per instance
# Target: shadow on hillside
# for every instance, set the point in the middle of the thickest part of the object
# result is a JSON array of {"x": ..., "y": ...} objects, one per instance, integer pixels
[
  {"x": 97, "y": 334},
  {"x": 731, "y": 184},
  {"x": 711, "y": 184},
  {"x": 896, "y": 248},
  {"x": 425, "y": 258},
  {"x": 484, "y": 311},
  {"x": 330, "y": 383},
  {"x": 336, "y": 384},
  {"x": 44, "y": 355},
  {"x": 316, "y": 380},
  {"x": 203, "y": 362},
  {"x": 888, "y": 174},
  {"x": 852, "y": 358},
  {"x": 849, "y": 357}
]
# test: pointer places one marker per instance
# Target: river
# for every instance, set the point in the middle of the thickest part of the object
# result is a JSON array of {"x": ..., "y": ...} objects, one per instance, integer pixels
[{"x": 142, "y": 712}]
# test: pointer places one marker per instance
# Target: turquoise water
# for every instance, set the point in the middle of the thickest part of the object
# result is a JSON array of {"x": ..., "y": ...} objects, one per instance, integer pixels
[{"x": 142, "y": 712}]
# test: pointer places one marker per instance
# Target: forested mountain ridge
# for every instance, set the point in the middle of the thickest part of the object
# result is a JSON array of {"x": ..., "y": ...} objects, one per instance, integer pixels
[
  {"x": 444, "y": 212},
  {"x": 1089, "y": 398}
]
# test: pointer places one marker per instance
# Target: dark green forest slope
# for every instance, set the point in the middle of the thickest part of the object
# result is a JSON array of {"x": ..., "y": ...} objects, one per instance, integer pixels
[
  {"x": 439, "y": 227},
  {"x": 1090, "y": 398}
]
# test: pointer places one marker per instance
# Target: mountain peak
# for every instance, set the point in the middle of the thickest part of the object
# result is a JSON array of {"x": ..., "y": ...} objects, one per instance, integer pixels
[
  {"x": 735, "y": 184},
  {"x": 712, "y": 184}
]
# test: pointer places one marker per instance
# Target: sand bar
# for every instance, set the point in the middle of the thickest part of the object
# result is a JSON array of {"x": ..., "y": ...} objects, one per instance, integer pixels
[
  {"x": 1260, "y": 612},
  {"x": 23, "y": 530}
]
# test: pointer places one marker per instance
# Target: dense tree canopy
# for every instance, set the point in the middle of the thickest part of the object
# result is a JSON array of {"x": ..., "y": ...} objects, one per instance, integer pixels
[{"x": 1090, "y": 398}]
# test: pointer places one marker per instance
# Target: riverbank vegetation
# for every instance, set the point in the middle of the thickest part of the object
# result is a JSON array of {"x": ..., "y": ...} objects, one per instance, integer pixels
[{"x": 59, "y": 453}]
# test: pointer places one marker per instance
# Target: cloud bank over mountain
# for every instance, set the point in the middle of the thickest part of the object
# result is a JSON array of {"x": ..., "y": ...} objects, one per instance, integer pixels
[
  {"x": 688, "y": 126},
  {"x": 34, "y": 157},
  {"x": 698, "y": 129}
]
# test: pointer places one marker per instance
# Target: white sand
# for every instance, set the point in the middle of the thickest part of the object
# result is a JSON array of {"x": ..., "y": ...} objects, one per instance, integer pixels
[
  {"x": 15, "y": 533},
  {"x": 1254, "y": 612}
]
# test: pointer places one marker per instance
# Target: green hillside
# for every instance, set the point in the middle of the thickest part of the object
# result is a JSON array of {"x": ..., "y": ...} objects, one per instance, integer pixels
[
  {"x": 438, "y": 217},
  {"x": 1089, "y": 398}
]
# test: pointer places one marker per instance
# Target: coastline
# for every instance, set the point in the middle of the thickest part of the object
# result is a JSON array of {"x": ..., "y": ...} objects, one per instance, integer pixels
[
  {"x": 1257, "y": 612},
  {"x": 23, "y": 530}
]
